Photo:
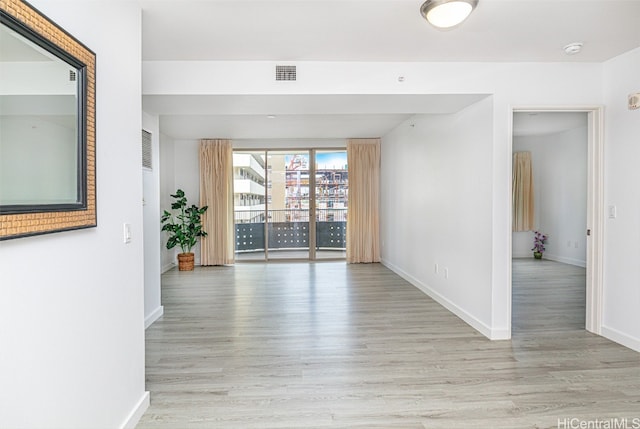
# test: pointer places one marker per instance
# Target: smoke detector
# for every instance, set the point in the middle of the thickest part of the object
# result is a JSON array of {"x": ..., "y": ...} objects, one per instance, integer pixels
[{"x": 573, "y": 48}]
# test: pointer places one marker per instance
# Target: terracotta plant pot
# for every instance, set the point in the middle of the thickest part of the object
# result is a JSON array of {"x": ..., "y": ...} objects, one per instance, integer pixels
[
  {"x": 537, "y": 255},
  {"x": 185, "y": 261}
]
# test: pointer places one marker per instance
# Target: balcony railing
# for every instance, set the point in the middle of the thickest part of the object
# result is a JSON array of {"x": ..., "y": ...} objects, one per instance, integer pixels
[{"x": 289, "y": 229}]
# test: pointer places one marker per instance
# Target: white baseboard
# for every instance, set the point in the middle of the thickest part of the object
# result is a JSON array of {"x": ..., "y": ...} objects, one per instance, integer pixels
[
  {"x": 521, "y": 255},
  {"x": 492, "y": 334},
  {"x": 621, "y": 338},
  {"x": 566, "y": 260},
  {"x": 137, "y": 412},
  {"x": 168, "y": 267},
  {"x": 551, "y": 257},
  {"x": 500, "y": 334},
  {"x": 155, "y": 315}
]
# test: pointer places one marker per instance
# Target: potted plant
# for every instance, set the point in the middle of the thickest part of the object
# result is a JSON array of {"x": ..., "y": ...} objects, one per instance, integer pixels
[
  {"x": 184, "y": 227},
  {"x": 538, "y": 244}
]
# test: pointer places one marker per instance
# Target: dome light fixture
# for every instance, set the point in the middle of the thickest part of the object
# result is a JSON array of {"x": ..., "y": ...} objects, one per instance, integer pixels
[
  {"x": 447, "y": 13},
  {"x": 573, "y": 48}
]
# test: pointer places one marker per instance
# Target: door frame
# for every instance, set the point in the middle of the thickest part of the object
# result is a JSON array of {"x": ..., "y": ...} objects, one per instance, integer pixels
[{"x": 595, "y": 209}]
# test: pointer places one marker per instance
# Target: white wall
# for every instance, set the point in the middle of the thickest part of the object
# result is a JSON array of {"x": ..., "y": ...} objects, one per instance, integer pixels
[
  {"x": 151, "y": 220},
  {"x": 436, "y": 208},
  {"x": 39, "y": 160},
  {"x": 187, "y": 176},
  {"x": 167, "y": 187},
  {"x": 621, "y": 318},
  {"x": 180, "y": 170},
  {"x": 72, "y": 303},
  {"x": 290, "y": 144},
  {"x": 35, "y": 77},
  {"x": 187, "y": 168},
  {"x": 560, "y": 193}
]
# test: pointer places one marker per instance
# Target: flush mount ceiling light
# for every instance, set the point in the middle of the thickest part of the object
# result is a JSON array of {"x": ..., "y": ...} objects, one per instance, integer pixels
[
  {"x": 573, "y": 48},
  {"x": 447, "y": 13}
]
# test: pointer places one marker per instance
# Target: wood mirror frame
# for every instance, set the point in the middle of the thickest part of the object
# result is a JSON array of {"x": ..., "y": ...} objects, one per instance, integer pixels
[{"x": 34, "y": 219}]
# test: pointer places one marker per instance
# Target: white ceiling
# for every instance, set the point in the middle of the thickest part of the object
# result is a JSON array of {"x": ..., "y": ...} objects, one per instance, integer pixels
[
  {"x": 359, "y": 30},
  {"x": 544, "y": 123},
  {"x": 15, "y": 48},
  {"x": 294, "y": 116},
  {"x": 385, "y": 30}
]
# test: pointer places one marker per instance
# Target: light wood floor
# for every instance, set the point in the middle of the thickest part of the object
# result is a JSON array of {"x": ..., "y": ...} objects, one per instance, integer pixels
[
  {"x": 547, "y": 296},
  {"x": 330, "y": 345}
]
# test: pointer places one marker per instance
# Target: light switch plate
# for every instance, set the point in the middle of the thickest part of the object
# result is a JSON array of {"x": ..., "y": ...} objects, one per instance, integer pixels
[{"x": 127, "y": 233}]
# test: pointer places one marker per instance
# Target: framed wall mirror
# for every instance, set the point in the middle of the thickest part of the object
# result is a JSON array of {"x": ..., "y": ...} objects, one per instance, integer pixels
[{"x": 47, "y": 126}]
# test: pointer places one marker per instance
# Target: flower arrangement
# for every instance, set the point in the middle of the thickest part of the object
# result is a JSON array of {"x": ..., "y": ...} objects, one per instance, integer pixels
[{"x": 538, "y": 243}]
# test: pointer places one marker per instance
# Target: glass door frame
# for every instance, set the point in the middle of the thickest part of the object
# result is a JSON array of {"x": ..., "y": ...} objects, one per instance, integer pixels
[{"x": 312, "y": 200}]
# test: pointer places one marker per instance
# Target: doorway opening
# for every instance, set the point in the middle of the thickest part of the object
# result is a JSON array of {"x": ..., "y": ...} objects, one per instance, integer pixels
[{"x": 569, "y": 211}]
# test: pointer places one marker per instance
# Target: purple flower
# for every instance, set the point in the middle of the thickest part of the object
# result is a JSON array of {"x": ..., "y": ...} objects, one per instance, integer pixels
[{"x": 538, "y": 241}]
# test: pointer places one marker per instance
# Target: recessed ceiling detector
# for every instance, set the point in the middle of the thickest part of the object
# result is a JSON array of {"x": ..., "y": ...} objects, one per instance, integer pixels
[
  {"x": 573, "y": 48},
  {"x": 447, "y": 13}
]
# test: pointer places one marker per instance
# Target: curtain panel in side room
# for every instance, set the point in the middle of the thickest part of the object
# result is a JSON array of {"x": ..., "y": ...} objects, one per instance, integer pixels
[
  {"x": 363, "y": 238},
  {"x": 216, "y": 191},
  {"x": 522, "y": 192}
]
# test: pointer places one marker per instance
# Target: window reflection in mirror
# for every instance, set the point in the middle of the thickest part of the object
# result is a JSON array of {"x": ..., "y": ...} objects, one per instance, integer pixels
[{"x": 41, "y": 148}]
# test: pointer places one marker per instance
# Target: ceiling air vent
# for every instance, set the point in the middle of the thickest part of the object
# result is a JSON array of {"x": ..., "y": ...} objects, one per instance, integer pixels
[
  {"x": 285, "y": 72},
  {"x": 146, "y": 150}
]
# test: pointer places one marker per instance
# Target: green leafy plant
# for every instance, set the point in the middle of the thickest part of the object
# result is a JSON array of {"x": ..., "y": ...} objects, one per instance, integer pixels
[{"x": 184, "y": 225}]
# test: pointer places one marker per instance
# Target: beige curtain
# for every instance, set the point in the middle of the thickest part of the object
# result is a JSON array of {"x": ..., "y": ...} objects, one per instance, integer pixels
[
  {"x": 216, "y": 191},
  {"x": 363, "y": 239},
  {"x": 522, "y": 192}
]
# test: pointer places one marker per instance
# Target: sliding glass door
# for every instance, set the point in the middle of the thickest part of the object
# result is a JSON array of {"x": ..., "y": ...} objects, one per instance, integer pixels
[
  {"x": 331, "y": 192},
  {"x": 249, "y": 193},
  {"x": 290, "y": 204}
]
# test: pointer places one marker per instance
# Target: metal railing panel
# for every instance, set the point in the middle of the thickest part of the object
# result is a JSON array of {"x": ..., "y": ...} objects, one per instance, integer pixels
[{"x": 289, "y": 229}]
